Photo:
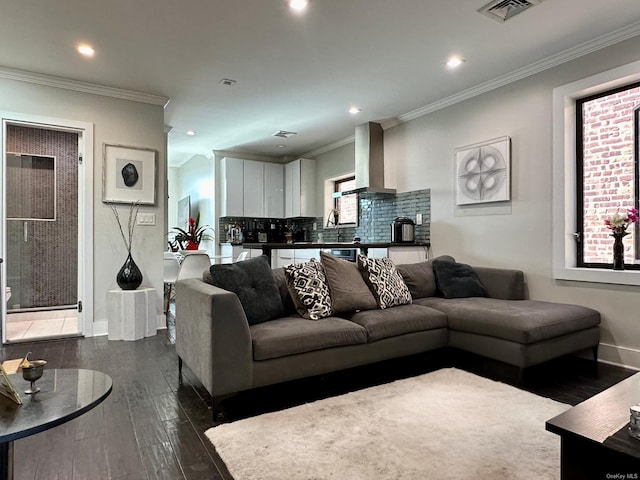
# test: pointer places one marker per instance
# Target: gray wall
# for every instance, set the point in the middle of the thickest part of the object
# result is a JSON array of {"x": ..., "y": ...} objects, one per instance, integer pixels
[
  {"x": 196, "y": 179},
  {"x": 115, "y": 121},
  {"x": 419, "y": 154}
]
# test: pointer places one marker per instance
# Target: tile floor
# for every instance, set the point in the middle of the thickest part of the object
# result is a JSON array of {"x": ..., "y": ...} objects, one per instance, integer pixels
[{"x": 31, "y": 325}]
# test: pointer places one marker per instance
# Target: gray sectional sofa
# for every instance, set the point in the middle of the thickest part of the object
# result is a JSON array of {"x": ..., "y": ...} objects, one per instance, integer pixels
[{"x": 228, "y": 354}]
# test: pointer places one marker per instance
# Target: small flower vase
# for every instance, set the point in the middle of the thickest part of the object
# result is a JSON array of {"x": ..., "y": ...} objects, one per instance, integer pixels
[
  {"x": 192, "y": 245},
  {"x": 618, "y": 250},
  {"x": 129, "y": 277}
]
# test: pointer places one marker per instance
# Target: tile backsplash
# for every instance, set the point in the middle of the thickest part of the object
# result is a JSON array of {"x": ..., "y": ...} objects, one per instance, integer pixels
[{"x": 376, "y": 213}]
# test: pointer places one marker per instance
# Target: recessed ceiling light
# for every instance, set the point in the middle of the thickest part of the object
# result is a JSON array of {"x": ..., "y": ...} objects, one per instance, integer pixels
[
  {"x": 281, "y": 145},
  {"x": 86, "y": 50},
  {"x": 298, "y": 4},
  {"x": 190, "y": 132},
  {"x": 354, "y": 110},
  {"x": 454, "y": 62}
]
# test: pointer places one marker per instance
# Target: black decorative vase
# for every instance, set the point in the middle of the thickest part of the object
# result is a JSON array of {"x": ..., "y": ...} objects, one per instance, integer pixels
[
  {"x": 129, "y": 277},
  {"x": 618, "y": 250}
]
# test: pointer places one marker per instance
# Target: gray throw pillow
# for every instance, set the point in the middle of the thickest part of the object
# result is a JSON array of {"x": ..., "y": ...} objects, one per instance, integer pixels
[
  {"x": 253, "y": 282},
  {"x": 457, "y": 280},
  {"x": 349, "y": 292},
  {"x": 384, "y": 281},
  {"x": 419, "y": 277}
]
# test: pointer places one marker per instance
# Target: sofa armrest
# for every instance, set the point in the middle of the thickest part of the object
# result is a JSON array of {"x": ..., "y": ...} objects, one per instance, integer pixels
[
  {"x": 502, "y": 283},
  {"x": 213, "y": 337}
]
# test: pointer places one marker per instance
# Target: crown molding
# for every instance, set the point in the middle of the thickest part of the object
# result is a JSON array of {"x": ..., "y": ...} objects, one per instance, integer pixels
[
  {"x": 332, "y": 146},
  {"x": 84, "y": 87},
  {"x": 591, "y": 46}
]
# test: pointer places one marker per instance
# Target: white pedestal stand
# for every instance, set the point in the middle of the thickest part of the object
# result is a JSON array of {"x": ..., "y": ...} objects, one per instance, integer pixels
[{"x": 131, "y": 314}]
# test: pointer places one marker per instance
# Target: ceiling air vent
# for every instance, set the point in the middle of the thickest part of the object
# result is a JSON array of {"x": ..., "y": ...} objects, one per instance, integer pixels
[
  {"x": 283, "y": 134},
  {"x": 503, "y": 10}
]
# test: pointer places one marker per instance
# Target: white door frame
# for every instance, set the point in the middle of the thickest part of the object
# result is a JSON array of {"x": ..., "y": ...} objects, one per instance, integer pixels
[{"x": 85, "y": 208}]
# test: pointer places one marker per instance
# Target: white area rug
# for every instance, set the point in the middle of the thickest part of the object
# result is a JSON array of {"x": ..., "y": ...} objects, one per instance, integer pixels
[{"x": 447, "y": 424}]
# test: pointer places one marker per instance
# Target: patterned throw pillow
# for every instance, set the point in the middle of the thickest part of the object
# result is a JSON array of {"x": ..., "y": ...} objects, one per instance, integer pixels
[
  {"x": 308, "y": 287},
  {"x": 385, "y": 281}
]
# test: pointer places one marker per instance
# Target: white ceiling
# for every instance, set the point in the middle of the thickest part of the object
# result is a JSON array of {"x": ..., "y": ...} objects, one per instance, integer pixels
[{"x": 297, "y": 72}]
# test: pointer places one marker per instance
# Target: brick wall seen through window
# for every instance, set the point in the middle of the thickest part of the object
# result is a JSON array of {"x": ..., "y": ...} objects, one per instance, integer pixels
[{"x": 609, "y": 174}]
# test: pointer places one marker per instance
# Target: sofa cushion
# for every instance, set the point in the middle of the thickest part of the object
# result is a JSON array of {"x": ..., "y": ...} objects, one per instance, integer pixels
[
  {"x": 419, "y": 277},
  {"x": 399, "y": 320},
  {"x": 457, "y": 280},
  {"x": 384, "y": 281},
  {"x": 285, "y": 296},
  {"x": 349, "y": 292},
  {"x": 309, "y": 290},
  {"x": 293, "y": 334},
  {"x": 521, "y": 321},
  {"x": 253, "y": 282}
]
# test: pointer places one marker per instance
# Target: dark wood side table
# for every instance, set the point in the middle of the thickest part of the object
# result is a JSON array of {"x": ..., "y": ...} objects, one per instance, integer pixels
[
  {"x": 65, "y": 394},
  {"x": 595, "y": 443}
]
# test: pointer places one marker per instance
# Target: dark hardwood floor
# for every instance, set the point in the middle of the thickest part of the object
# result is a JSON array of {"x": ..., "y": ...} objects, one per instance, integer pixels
[{"x": 152, "y": 425}]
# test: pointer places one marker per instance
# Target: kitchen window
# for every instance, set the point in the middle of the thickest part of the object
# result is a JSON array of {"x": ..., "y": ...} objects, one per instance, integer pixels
[{"x": 347, "y": 205}]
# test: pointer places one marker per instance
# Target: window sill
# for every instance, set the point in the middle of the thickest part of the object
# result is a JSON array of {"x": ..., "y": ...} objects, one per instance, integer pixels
[{"x": 596, "y": 275}]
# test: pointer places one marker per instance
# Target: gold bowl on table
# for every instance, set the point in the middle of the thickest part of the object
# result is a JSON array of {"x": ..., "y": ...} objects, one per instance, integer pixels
[{"x": 32, "y": 371}]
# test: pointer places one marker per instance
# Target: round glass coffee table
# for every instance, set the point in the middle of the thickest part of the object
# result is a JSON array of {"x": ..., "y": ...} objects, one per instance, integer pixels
[{"x": 64, "y": 395}]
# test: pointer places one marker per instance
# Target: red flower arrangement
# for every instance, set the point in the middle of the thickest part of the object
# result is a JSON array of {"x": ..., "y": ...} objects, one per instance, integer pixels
[
  {"x": 619, "y": 222},
  {"x": 190, "y": 239}
]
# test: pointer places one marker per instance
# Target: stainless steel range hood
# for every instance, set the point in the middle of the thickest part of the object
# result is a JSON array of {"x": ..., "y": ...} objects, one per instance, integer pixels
[{"x": 369, "y": 143}]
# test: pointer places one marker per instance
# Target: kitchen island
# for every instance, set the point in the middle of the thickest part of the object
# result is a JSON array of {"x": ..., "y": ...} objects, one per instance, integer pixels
[{"x": 363, "y": 248}]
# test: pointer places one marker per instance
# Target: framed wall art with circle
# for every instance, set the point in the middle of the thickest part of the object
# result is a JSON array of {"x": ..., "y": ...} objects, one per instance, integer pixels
[{"x": 483, "y": 172}]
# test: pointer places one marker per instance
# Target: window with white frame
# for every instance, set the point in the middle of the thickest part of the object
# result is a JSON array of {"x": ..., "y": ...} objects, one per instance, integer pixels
[
  {"x": 607, "y": 172},
  {"x": 577, "y": 224},
  {"x": 347, "y": 205}
]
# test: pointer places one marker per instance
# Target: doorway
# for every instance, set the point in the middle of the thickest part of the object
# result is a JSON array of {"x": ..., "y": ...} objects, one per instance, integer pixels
[{"x": 41, "y": 227}]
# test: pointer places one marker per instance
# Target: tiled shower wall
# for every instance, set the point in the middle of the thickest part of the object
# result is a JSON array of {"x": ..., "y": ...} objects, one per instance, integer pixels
[{"x": 42, "y": 271}]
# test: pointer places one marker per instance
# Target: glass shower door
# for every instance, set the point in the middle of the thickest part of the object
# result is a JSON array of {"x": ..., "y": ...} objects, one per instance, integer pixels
[
  {"x": 37, "y": 276},
  {"x": 41, "y": 198}
]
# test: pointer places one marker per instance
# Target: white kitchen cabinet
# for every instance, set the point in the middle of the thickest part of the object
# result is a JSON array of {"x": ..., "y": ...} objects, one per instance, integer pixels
[
  {"x": 409, "y": 254},
  {"x": 286, "y": 256},
  {"x": 253, "y": 188},
  {"x": 377, "y": 253},
  {"x": 249, "y": 188},
  {"x": 255, "y": 252},
  {"x": 232, "y": 187},
  {"x": 273, "y": 190},
  {"x": 306, "y": 254},
  {"x": 300, "y": 188},
  {"x": 282, "y": 257},
  {"x": 228, "y": 253}
]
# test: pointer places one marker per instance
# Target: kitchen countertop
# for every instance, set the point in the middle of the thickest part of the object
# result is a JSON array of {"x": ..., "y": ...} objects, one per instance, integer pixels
[{"x": 363, "y": 245}]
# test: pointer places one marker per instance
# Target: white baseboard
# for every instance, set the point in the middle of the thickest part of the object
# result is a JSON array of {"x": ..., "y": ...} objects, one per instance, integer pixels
[
  {"x": 161, "y": 322},
  {"x": 619, "y": 356},
  {"x": 101, "y": 327}
]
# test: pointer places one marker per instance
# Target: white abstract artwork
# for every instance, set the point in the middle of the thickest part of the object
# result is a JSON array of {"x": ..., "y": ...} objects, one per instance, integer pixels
[{"x": 483, "y": 172}]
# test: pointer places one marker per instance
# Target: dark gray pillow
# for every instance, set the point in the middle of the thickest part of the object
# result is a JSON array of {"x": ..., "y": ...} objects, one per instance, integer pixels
[
  {"x": 254, "y": 284},
  {"x": 420, "y": 278},
  {"x": 457, "y": 280},
  {"x": 349, "y": 292}
]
